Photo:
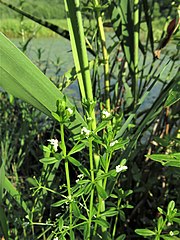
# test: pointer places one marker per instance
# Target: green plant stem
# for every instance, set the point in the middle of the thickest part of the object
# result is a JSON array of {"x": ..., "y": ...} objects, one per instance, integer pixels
[
  {"x": 116, "y": 219},
  {"x": 92, "y": 180},
  {"x": 101, "y": 206},
  {"x": 76, "y": 30},
  {"x": 105, "y": 55},
  {"x": 63, "y": 146},
  {"x": 136, "y": 49}
]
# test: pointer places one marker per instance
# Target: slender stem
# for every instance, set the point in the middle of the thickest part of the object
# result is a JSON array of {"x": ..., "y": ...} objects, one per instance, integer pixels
[
  {"x": 116, "y": 219},
  {"x": 105, "y": 56},
  {"x": 92, "y": 181},
  {"x": 136, "y": 49},
  {"x": 63, "y": 146},
  {"x": 101, "y": 206}
]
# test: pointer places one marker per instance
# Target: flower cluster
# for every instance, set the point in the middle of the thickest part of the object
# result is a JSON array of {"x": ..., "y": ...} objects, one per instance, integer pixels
[
  {"x": 121, "y": 168},
  {"x": 70, "y": 111},
  {"x": 79, "y": 177},
  {"x": 105, "y": 114},
  {"x": 113, "y": 143},
  {"x": 54, "y": 143},
  {"x": 85, "y": 131}
]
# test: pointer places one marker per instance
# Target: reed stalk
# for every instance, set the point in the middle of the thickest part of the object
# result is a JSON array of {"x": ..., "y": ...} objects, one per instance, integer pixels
[
  {"x": 105, "y": 55},
  {"x": 136, "y": 49}
]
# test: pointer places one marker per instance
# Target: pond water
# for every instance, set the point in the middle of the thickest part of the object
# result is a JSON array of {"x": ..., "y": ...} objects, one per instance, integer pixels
[{"x": 49, "y": 54}]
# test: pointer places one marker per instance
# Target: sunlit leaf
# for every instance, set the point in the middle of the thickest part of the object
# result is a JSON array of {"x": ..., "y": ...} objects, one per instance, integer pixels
[
  {"x": 21, "y": 78},
  {"x": 145, "y": 232}
]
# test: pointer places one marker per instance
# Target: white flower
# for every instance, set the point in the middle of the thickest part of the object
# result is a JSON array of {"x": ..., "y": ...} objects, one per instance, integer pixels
[
  {"x": 120, "y": 168},
  {"x": 80, "y": 176},
  {"x": 70, "y": 111},
  {"x": 54, "y": 143},
  {"x": 85, "y": 131},
  {"x": 56, "y": 238},
  {"x": 113, "y": 143},
  {"x": 106, "y": 114}
]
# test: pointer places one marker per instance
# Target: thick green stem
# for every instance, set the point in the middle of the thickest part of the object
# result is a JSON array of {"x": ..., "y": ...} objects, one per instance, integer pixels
[
  {"x": 76, "y": 31},
  {"x": 105, "y": 56},
  {"x": 136, "y": 49}
]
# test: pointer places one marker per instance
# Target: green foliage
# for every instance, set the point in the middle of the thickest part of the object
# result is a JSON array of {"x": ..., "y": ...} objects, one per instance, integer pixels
[
  {"x": 92, "y": 180},
  {"x": 164, "y": 225}
]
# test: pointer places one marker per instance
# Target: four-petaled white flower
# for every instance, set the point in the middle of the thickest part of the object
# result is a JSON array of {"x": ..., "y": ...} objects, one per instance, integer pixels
[
  {"x": 85, "y": 131},
  {"x": 56, "y": 238},
  {"x": 113, "y": 143},
  {"x": 106, "y": 114},
  {"x": 120, "y": 168},
  {"x": 54, "y": 143},
  {"x": 70, "y": 111}
]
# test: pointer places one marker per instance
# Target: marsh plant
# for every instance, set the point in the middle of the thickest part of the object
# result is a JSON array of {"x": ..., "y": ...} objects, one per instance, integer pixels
[{"x": 95, "y": 179}]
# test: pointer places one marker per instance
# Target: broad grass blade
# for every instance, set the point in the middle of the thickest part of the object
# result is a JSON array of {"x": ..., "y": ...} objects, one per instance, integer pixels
[{"x": 21, "y": 78}]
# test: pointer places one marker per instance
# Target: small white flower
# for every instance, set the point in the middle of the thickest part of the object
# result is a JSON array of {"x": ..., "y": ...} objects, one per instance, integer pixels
[
  {"x": 56, "y": 238},
  {"x": 106, "y": 114},
  {"x": 54, "y": 143},
  {"x": 120, "y": 168},
  {"x": 70, "y": 111},
  {"x": 79, "y": 177},
  {"x": 113, "y": 143},
  {"x": 85, "y": 131}
]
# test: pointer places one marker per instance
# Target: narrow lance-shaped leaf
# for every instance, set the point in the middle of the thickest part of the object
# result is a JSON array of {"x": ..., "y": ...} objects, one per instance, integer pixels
[{"x": 21, "y": 78}]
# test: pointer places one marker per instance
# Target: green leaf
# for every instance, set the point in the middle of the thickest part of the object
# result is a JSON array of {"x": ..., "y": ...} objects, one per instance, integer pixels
[
  {"x": 49, "y": 160},
  {"x": 16, "y": 195},
  {"x": 160, "y": 223},
  {"x": 60, "y": 223},
  {"x": 32, "y": 181},
  {"x": 88, "y": 188},
  {"x": 75, "y": 209},
  {"x": 167, "y": 159},
  {"x": 165, "y": 237},
  {"x": 101, "y": 126},
  {"x": 121, "y": 237},
  {"x": 101, "y": 191},
  {"x": 120, "y": 144},
  {"x": 74, "y": 161},
  {"x": 177, "y": 220},
  {"x": 59, "y": 203},
  {"x": 76, "y": 148},
  {"x": 110, "y": 213},
  {"x": 101, "y": 222},
  {"x": 174, "y": 95},
  {"x": 3, "y": 223},
  {"x": 145, "y": 232},
  {"x": 170, "y": 207},
  {"x": 84, "y": 171},
  {"x": 21, "y": 78},
  {"x": 46, "y": 149}
]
